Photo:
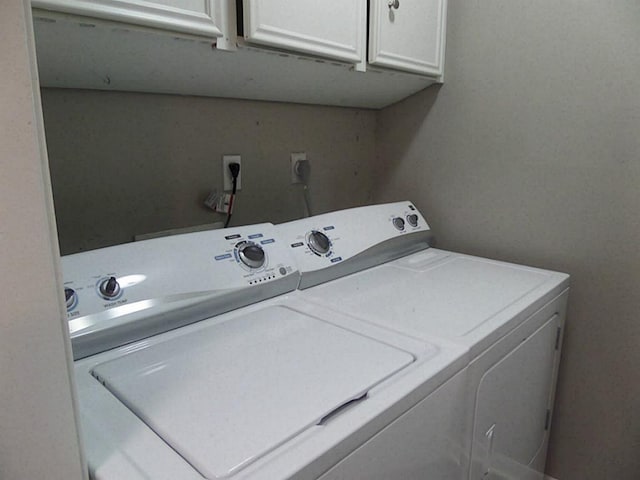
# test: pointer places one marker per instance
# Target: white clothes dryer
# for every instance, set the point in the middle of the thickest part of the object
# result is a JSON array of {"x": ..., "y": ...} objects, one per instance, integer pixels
[
  {"x": 194, "y": 359},
  {"x": 510, "y": 317}
]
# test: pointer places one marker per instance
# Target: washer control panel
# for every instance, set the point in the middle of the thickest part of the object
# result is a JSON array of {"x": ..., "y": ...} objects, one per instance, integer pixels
[
  {"x": 326, "y": 240},
  {"x": 162, "y": 269}
]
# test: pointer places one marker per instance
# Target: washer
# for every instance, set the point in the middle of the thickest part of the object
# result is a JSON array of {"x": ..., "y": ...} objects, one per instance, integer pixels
[
  {"x": 195, "y": 358},
  {"x": 509, "y": 317}
]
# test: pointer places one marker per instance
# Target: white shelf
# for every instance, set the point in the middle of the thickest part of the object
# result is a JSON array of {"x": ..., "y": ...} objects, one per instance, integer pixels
[{"x": 86, "y": 53}]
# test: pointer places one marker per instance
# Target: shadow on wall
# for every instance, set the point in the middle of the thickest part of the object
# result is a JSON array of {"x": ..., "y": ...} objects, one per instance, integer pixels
[{"x": 401, "y": 123}]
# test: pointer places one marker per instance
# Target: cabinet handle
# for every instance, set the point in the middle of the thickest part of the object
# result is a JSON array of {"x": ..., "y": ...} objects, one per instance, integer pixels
[{"x": 394, "y": 4}]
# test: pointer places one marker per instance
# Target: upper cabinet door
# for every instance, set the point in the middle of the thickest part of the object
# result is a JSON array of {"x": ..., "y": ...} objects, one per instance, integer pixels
[
  {"x": 199, "y": 17},
  {"x": 408, "y": 35},
  {"x": 331, "y": 28}
]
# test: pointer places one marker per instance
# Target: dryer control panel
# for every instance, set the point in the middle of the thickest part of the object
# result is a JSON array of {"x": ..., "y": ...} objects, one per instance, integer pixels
[
  {"x": 347, "y": 241},
  {"x": 222, "y": 269}
]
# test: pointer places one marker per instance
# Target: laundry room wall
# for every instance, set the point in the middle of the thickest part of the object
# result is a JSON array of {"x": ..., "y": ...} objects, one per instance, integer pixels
[
  {"x": 530, "y": 152},
  {"x": 124, "y": 164}
]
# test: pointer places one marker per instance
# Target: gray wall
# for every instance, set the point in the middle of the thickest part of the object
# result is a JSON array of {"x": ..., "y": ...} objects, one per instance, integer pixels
[
  {"x": 530, "y": 152},
  {"x": 124, "y": 164}
]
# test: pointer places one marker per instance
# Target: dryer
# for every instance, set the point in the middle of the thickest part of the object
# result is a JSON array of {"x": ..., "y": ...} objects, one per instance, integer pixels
[
  {"x": 196, "y": 359},
  {"x": 510, "y": 318}
]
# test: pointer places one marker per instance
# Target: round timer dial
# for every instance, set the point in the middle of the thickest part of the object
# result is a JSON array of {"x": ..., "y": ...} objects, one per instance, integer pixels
[
  {"x": 250, "y": 254},
  {"x": 318, "y": 242}
]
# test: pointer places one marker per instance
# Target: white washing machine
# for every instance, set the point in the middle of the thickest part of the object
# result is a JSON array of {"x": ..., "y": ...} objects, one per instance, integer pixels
[
  {"x": 186, "y": 369},
  {"x": 510, "y": 317}
]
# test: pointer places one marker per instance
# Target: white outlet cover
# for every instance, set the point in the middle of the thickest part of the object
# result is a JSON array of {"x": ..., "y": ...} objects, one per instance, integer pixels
[{"x": 226, "y": 173}]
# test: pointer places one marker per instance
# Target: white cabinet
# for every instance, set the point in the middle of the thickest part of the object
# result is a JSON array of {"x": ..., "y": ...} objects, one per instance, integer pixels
[
  {"x": 408, "y": 35},
  {"x": 405, "y": 35},
  {"x": 332, "y": 28},
  {"x": 164, "y": 46},
  {"x": 199, "y": 17}
]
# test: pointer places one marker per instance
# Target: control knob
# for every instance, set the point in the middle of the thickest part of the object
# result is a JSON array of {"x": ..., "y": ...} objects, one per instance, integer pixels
[
  {"x": 318, "y": 242},
  {"x": 109, "y": 288},
  {"x": 70, "y": 297},
  {"x": 412, "y": 219},
  {"x": 250, "y": 254},
  {"x": 398, "y": 223}
]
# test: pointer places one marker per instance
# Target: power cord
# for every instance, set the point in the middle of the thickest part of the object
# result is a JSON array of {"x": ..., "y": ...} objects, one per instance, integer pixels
[
  {"x": 303, "y": 171},
  {"x": 234, "y": 168}
]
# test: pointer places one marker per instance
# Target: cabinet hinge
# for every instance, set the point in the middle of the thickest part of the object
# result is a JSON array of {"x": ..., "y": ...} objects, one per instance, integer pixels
[
  {"x": 547, "y": 420},
  {"x": 558, "y": 333}
]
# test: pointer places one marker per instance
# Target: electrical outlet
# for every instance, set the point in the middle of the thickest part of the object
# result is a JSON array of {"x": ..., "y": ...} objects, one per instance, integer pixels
[
  {"x": 295, "y": 158},
  {"x": 226, "y": 173}
]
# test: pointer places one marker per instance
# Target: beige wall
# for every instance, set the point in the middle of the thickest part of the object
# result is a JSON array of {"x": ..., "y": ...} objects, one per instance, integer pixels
[
  {"x": 38, "y": 434},
  {"x": 530, "y": 152},
  {"x": 125, "y": 164}
]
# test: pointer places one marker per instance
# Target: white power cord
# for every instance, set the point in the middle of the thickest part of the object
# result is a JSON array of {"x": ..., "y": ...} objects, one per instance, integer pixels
[{"x": 302, "y": 169}]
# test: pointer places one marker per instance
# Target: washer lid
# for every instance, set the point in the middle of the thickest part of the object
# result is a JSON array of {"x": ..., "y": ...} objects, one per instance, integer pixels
[{"x": 224, "y": 395}]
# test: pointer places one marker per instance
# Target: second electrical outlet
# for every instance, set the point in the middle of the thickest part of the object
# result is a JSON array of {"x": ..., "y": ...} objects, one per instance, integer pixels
[{"x": 226, "y": 173}]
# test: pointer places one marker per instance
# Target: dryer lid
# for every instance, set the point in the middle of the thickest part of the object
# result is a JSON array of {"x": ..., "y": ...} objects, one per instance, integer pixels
[
  {"x": 448, "y": 299},
  {"x": 224, "y": 395}
]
